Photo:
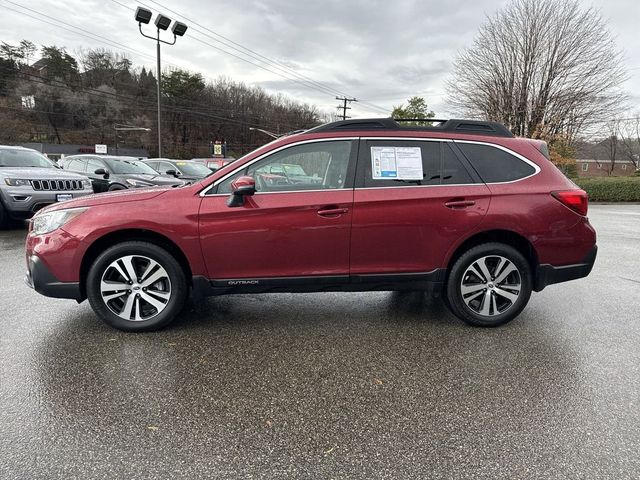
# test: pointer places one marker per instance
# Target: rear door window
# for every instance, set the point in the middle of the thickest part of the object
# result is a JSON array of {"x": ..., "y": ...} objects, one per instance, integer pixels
[
  {"x": 440, "y": 164},
  {"x": 495, "y": 165},
  {"x": 452, "y": 171}
]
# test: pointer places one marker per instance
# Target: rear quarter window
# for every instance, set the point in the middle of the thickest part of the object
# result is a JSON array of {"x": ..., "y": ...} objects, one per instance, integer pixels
[{"x": 493, "y": 164}]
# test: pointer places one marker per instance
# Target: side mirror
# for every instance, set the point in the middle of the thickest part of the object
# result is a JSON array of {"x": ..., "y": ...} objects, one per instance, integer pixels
[
  {"x": 103, "y": 172},
  {"x": 173, "y": 173},
  {"x": 241, "y": 187}
]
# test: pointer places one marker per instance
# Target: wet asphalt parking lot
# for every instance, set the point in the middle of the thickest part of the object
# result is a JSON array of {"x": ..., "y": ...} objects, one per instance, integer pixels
[{"x": 331, "y": 385}]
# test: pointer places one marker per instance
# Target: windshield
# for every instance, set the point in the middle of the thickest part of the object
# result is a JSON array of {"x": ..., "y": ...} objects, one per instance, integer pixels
[
  {"x": 123, "y": 167},
  {"x": 23, "y": 158},
  {"x": 192, "y": 168}
]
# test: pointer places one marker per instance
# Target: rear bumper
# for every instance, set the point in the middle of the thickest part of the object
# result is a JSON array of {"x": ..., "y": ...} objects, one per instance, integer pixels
[
  {"x": 549, "y": 274},
  {"x": 42, "y": 281}
]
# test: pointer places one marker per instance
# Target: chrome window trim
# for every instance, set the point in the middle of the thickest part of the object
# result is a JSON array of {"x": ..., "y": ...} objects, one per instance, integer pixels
[
  {"x": 203, "y": 193},
  {"x": 422, "y": 186},
  {"x": 536, "y": 168},
  {"x": 289, "y": 191}
]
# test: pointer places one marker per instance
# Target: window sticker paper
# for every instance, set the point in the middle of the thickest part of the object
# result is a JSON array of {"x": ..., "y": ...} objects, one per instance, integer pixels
[{"x": 401, "y": 163}]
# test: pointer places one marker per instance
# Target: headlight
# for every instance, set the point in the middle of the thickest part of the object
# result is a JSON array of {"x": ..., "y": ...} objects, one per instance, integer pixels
[
  {"x": 86, "y": 183},
  {"x": 138, "y": 183},
  {"x": 48, "y": 222},
  {"x": 17, "y": 182}
]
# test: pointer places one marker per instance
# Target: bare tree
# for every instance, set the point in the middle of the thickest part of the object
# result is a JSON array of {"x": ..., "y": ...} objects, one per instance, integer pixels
[
  {"x": 629, "y": 134},
  {"x": 542, "y": 67}
]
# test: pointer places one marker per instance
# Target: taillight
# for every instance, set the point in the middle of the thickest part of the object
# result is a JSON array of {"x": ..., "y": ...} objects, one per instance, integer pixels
[{"x": 576, "y": 200}]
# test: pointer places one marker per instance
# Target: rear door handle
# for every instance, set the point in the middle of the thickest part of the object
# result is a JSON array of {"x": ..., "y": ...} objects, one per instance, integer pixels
[
  {"x": 459, "y": 204},
  {"x": 332, "y": 212}
]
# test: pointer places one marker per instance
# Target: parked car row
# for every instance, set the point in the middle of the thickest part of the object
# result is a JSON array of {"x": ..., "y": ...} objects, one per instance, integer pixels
[
  {"x": 109, "y": 173},
  {"x": 188, "y": 170},
  {"x": 30, "y": 181}
]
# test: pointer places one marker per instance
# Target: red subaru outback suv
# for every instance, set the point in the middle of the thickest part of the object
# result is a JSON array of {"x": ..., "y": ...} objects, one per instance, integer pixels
[{"x": 461, "y": 208}]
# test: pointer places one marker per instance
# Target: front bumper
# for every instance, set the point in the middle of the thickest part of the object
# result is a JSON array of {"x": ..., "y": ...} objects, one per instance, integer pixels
[
  {"x": 549, "y": 274},
  {"x": 42, "y": 281},
  {"x": 22, "y": 203}
]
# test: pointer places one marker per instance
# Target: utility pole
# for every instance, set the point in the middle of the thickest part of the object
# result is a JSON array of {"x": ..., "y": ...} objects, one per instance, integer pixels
[{"x": 344, "y": 107}]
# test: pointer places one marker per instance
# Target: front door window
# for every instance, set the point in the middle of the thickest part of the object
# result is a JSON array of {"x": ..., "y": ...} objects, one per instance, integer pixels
[{"x": 312, "y": 166}]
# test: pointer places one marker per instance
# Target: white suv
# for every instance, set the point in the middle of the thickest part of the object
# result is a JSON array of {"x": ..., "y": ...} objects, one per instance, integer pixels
[{"x": 30, "y": 181}]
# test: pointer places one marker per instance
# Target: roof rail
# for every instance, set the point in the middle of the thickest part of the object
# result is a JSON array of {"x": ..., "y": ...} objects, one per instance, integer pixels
[
  {"x": 472, "y": 127},
  {"x": 421, "y": 120}
]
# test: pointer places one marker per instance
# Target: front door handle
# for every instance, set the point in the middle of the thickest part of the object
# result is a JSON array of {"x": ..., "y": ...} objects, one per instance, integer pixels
[
  {"x": 459, "y": 204},
  {"x": 332, "y": 212}
]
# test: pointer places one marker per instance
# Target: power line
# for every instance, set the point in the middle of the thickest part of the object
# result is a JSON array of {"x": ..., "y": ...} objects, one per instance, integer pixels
[
  {"x": 172, "y": 108},
  {"x": 299, "y": 81},
  {"x": 106, "y": 40},
  {"x": 76, "y": 30},
  {"x": 302, "y": 79},
  {"x": 151, "y": 105},
  {"x": 287, "y": 71},
  {"x": 252, "y": 53},
  {"x": 266, "y": 59},
  {"x": 285, "y": 75}
]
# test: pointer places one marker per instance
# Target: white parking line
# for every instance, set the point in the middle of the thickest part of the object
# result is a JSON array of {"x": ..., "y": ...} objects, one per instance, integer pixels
[{"x": 637, "y": 214}]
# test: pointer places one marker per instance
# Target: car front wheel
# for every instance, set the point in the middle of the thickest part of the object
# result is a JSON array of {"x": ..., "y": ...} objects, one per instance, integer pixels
[
  {"x": 136, "y": 286},
  {"x": 489, "y": 285}
]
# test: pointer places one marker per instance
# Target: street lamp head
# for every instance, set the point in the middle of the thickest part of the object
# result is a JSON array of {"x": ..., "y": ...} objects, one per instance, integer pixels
[
  {"x": 179, "y": 28},
  {"x": 162, "y": 22},
  {"x": 143, "y": 15}
]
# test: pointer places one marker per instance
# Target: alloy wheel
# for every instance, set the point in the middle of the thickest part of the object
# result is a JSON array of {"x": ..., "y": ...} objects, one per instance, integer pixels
[
  {"x": 491, "y": 285},
  {"x": 135, "y": 288}
]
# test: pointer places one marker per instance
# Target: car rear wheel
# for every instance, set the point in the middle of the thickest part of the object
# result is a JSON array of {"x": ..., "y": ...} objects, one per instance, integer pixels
[
  {"x": 136, "y": 286},
  {"x": 489, "y": 285}
]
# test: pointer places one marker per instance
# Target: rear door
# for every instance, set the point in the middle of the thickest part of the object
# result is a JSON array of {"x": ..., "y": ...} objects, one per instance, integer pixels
[
  {"x": 298, "y": 223},
  {"x": 414, "y": 198}
]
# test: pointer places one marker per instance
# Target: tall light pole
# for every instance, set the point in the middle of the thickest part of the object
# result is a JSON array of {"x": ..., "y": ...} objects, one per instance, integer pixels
[{"x": 162, "y": 23}]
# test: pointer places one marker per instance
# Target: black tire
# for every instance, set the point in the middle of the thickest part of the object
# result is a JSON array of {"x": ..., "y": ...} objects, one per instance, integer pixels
[
  {"x": 106, "y": 310},
  {"x": 504, "y": 309},
  {"x": 116, "y": 186}
]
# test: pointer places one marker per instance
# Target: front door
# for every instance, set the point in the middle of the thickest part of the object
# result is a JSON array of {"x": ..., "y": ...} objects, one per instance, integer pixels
[{"x": 297, "y": 224}]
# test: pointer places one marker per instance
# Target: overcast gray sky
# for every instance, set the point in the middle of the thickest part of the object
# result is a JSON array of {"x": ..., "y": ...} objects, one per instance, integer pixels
[{"x": 379, "y": 51}]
